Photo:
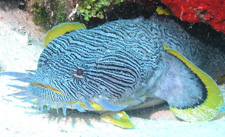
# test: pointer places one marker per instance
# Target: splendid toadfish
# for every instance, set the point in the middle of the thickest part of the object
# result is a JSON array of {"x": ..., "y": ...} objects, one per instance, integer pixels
[{"x": 125, "y": 65}]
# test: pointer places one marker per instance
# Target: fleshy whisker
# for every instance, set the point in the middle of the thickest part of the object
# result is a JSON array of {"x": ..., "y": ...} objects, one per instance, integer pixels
[{"x": 23, "y": 88}]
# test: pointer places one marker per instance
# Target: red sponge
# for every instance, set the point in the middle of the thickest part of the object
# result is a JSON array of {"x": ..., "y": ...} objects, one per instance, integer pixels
[{"x": 208, "y": 11}]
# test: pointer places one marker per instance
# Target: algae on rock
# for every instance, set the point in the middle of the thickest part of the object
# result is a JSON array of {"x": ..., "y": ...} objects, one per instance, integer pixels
[{"x": 52, "y": 12}]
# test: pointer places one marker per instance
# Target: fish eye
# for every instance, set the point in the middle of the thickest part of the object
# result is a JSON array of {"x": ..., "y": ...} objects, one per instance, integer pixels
[{"x": 79, "y": 73}]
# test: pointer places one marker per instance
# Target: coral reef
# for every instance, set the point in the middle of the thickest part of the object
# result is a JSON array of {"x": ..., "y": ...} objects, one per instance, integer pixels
[
  {"x": 207, "y": 11},
  {"x": 41, "y": 16},
  {"x": 48, "y": 13},
  {"x": 94, "y": 8},
  {"x": 53, "y": 12}
]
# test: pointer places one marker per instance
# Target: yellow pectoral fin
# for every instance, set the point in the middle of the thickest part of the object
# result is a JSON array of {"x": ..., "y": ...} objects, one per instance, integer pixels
[
  {"x": 61, "y": 29},
  {"x": 120, "y": 119},
  {"x": 212, "y": 104},
  {"x": 96, "y": 106},
  {"x": 82, "y": 103}
]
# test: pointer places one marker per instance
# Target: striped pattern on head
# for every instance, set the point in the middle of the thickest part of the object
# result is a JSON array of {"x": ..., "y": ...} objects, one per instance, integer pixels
[{"x": 112, "y": 60}]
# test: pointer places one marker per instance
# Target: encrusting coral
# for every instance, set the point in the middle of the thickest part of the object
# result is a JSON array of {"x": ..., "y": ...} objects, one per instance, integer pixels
[{"x": 53, "y": 12}]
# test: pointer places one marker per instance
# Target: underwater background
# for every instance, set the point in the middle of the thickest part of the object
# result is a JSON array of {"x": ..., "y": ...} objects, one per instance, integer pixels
[{"x": 23, "y": 24}]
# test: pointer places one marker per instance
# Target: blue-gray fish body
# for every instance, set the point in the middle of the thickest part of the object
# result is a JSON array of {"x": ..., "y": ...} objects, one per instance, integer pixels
[{"x": 123, "y": 63}]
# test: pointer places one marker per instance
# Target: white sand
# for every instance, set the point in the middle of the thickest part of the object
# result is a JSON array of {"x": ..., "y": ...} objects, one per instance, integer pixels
[{"x": 20, "y": 47}]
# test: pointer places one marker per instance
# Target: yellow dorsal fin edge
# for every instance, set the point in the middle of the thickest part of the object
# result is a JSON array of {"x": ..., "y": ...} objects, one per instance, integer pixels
[
  {"x": 214, "y": 101},
  {"x": 61, "y": 29}
]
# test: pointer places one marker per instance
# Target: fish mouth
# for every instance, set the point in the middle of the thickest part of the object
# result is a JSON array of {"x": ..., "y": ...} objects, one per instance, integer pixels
[{"x": 36, "y": 84}]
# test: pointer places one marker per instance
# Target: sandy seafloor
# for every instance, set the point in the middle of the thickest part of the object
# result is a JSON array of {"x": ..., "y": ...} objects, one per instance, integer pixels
[{"x": 20, "y": 48}]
